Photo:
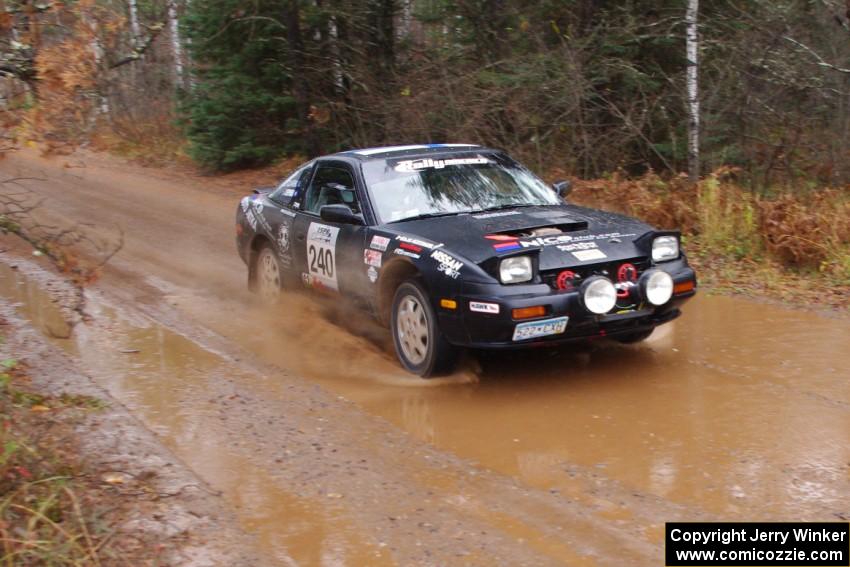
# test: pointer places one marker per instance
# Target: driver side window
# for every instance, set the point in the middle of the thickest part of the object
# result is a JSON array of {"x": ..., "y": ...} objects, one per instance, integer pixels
[
  {"x": 287, "y": 188},
  {"x": 332, "y": 185}
]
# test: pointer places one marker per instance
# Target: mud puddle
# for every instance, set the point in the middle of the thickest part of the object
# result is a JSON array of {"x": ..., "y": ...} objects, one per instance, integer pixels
[
  {"x": 167, "y": 381},
  {"x": 739, "y": 409}
]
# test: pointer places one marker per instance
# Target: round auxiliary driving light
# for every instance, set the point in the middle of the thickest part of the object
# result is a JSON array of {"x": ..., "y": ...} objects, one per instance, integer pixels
[
  {"x": 657, "y": 287},
  {"x": 599, "y": 295}
]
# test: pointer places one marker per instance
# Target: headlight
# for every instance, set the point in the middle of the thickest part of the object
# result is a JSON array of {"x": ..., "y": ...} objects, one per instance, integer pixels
[
  {"x": 665, "y": 248},
  {"x": 515, "y": 270},
  {"x": 657, "y": 287},
  {"x": 599, "y": 295}
]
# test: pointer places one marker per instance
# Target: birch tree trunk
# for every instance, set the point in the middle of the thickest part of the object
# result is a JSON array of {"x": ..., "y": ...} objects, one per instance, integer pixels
[
  {"x": 134, "y": 21},
  {"x": 692, "y": 46},
  {"x": 176, "y": 45}
]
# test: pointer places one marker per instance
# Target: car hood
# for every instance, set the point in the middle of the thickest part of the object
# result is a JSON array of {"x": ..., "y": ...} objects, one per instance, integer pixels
[{"x": 557, "y": 232}]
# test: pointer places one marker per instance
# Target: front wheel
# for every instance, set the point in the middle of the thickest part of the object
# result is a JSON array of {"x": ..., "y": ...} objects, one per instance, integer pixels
[{"x": 420, "y": 346}]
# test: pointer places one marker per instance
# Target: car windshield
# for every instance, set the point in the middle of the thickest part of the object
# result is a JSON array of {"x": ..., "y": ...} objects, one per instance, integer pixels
[{"x": 409, "y": 188}]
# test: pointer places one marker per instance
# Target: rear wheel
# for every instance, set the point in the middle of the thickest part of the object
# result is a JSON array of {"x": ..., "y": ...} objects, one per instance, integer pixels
[
  {"x": 267, "y": 274},
  {"x": 419, "y": 344},
  {"x": 635, "y": 337}
]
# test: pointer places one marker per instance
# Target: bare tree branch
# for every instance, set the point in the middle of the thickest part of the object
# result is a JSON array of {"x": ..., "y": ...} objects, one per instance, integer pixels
[
  {"x": 819, "y": 60},
  {"x": 139, "y": 51},
  {"x": 80, "y": 249}
]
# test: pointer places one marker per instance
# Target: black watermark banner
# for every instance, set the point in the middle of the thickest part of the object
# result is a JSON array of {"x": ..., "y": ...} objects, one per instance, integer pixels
[{"x": 741, "y": 544}]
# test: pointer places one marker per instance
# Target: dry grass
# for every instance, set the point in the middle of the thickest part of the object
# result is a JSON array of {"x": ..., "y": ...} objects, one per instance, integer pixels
[
  {"x": 42, "y": 521},
  {"x": 789, "y": 244},
  {"x": 155, "y": 141}
]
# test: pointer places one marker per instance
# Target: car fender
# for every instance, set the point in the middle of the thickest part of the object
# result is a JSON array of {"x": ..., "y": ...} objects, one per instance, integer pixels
[{"x": 441, "y": 271}]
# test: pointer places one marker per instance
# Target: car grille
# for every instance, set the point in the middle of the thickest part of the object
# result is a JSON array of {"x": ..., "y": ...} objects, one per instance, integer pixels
[{"x": 607, "y": 269}]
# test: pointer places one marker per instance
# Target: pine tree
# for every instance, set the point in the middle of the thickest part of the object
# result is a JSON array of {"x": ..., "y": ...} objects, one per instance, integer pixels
[{"x": 241, "y": 111}]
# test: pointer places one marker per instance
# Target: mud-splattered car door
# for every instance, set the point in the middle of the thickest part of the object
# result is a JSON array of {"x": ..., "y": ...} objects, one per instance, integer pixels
[
  {"x": 330, "y": 254},
  {"x": 280, "y": 215}
]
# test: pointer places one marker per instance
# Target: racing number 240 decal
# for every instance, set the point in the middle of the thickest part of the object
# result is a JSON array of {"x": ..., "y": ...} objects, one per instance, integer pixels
[
  {"x": 321, "y": 261},
  {"x": 321, "y": 255}
]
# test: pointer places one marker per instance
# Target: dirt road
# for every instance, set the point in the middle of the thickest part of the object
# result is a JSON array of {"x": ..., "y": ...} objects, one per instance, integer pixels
[{"x": 332, "y": 455}]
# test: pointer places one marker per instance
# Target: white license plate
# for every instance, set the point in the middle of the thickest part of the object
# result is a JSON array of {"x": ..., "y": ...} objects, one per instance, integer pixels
[{"x": 534, "y": 329}]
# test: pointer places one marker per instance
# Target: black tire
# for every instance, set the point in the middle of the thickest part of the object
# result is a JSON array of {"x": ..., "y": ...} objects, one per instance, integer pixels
[
  {"x": 426, "y": 355},
  {"x": 634, "y": 337},
  {"x": 267, "y": 274}
]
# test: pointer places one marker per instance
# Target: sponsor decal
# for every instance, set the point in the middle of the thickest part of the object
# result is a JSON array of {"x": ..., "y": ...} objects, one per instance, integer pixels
[
  {"x": 479, "y": 307},
  {"x": 495, "y": 215},
  {"x": 587, "y": 255},
  {"x": 417, "y": 242},
  {"x": 507, "y": 246},
  {"x": 288, "y": 213},
  {"x": 403, "y": 252},
  {"x": 372, "y": 273},
  {"x": 265, "y": 224},
  {"x": 506, "y": 243},
  {"x": 252, "y": 219},
  {"x": 448, "y": 265},
  {"x": 283, "y": 243},
  {"x": 283, "y": 238},
  {"x": 608, "y": 235},
  {"x": 288, "y": 192},
  {"x": 428, "y": 163},
  {"x": 545, "y": 241},
  {"x": 321, "y": 255},
  {"x": 577, "y": 246},
  {"x": 258, "y": 205},
  {"x": 410, "y": 247},
  {"x": 372, "y": 258},
  {"x": 379, "y": 243}
]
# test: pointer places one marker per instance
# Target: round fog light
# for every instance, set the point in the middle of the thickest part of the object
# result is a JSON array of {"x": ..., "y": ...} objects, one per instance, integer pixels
[
  {"x": 599, "y": 295},
  {"x": 658, "y": 287}
]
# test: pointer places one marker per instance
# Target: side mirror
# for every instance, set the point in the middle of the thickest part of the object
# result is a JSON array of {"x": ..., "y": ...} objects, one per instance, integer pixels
[
  {"x": 562, "y": 188},
  {"x": 340, "y": 214}
]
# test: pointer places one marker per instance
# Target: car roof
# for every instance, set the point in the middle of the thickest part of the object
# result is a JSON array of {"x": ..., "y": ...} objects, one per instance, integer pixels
[{"x": 385, "y": 152}]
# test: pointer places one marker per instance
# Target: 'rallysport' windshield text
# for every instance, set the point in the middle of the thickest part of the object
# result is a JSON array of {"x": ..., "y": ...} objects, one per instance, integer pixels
[{"x": 403, "y": 189}]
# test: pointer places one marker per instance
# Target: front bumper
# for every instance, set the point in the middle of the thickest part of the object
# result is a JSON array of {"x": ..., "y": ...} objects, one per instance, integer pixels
[{"x": 467, "y": 328}]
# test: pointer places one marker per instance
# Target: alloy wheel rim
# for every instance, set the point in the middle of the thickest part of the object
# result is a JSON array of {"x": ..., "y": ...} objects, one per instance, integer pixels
[
  {"x": 268, "y": 276},
  {"x": 412, "y": 330}
]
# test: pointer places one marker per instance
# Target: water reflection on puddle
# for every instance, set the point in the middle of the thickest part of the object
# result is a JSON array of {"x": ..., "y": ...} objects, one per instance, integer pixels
[{"x": 163, "y": 377}]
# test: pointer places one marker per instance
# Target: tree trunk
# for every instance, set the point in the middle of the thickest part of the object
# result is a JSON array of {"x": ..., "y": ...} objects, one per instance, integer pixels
[
  {"x": 134, "y": 21},
  {"x": 176, "y": 45},
  {"x": 292, "y": 19},
  {"x": 692, "y": 46}
]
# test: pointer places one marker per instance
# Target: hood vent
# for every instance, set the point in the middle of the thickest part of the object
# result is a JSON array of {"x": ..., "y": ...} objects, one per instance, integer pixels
[{"x": 545, "y": 230}]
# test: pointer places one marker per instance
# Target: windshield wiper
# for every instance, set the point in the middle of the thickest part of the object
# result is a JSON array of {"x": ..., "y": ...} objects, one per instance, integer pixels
[
  {"x": 508, "y": 206},
  {"x": 429, "y": 216}
]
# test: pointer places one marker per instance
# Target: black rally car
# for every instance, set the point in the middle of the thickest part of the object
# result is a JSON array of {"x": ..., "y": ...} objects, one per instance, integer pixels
[{"x": 460, "y": 246}]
